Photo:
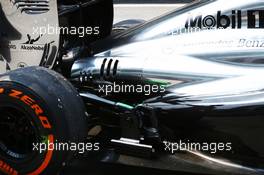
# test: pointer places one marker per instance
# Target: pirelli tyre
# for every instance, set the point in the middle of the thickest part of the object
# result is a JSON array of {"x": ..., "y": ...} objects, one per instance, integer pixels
[{"x": 38, "y": 108}]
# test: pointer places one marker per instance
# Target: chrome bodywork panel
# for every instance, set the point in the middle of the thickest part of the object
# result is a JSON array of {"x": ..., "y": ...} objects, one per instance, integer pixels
[
  {"x": 212, "y": 74},
  {"x": 216, "y": 63}
]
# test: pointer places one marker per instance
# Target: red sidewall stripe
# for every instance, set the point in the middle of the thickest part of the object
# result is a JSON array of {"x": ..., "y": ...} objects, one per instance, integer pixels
[{"x": 47, "y": 160}]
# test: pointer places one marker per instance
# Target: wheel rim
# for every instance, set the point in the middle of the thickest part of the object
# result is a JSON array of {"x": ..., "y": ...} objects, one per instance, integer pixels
[{"x": 17, "y": 133}]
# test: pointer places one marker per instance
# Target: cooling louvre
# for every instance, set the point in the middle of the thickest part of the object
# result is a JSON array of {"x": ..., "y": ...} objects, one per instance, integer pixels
[{"x": 32, "y": 6}]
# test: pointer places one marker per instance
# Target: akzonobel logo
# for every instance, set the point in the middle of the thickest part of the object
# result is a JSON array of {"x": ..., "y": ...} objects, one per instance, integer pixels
[{"x": 255, "y": 20}]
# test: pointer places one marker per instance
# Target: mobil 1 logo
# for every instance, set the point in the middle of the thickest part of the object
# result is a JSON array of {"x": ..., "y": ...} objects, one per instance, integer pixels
[{"x": 255, "y": 20}]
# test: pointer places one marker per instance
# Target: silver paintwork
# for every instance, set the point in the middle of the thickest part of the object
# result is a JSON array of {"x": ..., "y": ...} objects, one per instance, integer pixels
[
  {"x": 205, "y": 62},
  {"x": 208, "y": 72}
]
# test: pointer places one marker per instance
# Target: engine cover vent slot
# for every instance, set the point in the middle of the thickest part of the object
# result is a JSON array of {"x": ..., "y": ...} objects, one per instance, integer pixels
[
  {"x": 32, "y": 6},
  {"x": 109, "y": 68},
  {"x": 115, "y": 68},
  {"x": 103, "y": 68}
]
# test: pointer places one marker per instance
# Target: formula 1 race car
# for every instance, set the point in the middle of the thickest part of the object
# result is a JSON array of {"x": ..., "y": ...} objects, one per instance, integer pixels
[{"x": 182, "y": 92}]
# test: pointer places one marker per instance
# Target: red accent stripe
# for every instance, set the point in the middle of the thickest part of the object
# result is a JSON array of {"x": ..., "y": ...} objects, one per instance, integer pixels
[{"x": 45, "y": 163}]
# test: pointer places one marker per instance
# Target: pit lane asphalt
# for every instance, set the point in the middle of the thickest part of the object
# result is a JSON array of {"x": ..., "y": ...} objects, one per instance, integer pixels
[{"x": 83, "y": 166}]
